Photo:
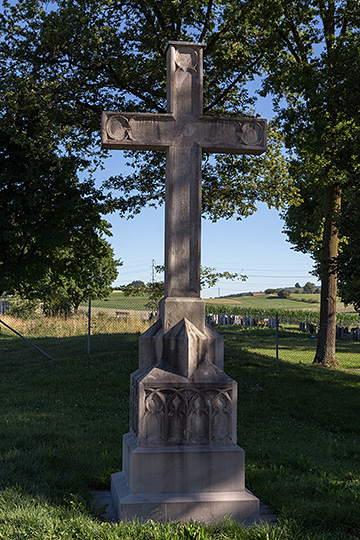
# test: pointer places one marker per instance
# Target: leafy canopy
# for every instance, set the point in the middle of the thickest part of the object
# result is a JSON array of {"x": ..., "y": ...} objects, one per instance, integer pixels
[{"x": 87, "y": 56}]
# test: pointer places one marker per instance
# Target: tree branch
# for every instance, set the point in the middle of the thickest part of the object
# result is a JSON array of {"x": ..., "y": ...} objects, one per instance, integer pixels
[
  {"x": 216, "y": 37},
  {"x": 151, "y": 21},
  {"x": 234, "y": 82},
  {"x": 289, "y": 45},
  {"x": 328, "y": 20},
  {"x": 207, "y": 19},
  {"x": 130, "y": 89}
]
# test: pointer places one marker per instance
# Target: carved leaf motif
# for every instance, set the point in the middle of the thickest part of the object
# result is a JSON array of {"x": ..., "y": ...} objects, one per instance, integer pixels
[
  {"x": 250, "y": 133},
  {"x": 119, "y": 128},
  {"x": 186, "y": 61}
]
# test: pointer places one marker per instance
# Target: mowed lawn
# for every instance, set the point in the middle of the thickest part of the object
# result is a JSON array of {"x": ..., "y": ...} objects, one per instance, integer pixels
[{"x": 62, "y": 423}]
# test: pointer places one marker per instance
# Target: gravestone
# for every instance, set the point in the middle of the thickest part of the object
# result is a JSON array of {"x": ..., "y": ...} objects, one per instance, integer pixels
[{"x": 181, "y": 460}]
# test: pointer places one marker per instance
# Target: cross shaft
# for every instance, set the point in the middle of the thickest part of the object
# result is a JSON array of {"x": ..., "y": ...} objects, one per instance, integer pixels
[{"x": 183, "y": 132}]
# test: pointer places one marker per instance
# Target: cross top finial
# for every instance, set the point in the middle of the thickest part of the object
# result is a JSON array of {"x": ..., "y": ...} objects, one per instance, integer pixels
[{"x": 184, "y": 78}]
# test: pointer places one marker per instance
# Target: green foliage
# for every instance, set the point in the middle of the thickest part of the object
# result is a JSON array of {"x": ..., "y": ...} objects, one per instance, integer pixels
[
  {"x": 137, "y": 283},
  {"x": 47, "y": 213},
  {"x": 124, "y": 69},
  {"x": 210, "y": 276},
  {"x": 313, "y": 66},
  {"x": 154, "y": 291},
  {"x": 85, "y": 269},
  {"x": 349, "y": 257},
  {"x": 309, "y": 288},
  {"x": 23, "y": 308},
  {"x": 284, "y": 293}
]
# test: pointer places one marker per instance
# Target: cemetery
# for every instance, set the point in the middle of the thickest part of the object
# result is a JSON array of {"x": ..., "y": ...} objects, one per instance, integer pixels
[
  {"x": 180, "y": 471},
  {"x": 62, "y": 422},
  {"x": 206, "y": 419}
]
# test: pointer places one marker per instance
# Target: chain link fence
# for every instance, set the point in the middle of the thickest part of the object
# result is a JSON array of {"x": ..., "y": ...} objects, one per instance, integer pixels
[{"x": 97, "y": 324}]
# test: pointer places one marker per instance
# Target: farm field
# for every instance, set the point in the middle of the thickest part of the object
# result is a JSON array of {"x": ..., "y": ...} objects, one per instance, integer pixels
[
  {"x": 118, "y": 300},
  {"x": 303, "y": 302}
]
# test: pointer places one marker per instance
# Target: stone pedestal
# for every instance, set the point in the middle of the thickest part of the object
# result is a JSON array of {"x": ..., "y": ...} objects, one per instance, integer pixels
[
  {"x": 181, "y": 483},
  {"x": 180, "y": 459}
]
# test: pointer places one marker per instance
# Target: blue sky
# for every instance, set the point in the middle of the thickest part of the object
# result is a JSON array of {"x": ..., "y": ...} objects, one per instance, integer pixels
[{"x": 255, "y": 246}]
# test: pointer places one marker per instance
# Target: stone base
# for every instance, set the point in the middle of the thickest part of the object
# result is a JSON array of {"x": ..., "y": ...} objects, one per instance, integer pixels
[{"x": 182, "y": 483}]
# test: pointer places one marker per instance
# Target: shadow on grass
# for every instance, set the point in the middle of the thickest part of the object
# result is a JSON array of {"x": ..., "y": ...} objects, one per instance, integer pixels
[
  {"x": 62, "y": 424},
  {"x": 63, "y": 419}
]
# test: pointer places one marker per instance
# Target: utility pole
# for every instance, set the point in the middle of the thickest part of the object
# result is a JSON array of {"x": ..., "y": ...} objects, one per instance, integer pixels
[{"x": 153, "y": 271}]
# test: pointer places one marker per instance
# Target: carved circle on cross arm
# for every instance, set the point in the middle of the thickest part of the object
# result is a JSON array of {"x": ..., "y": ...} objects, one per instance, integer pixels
[
  {"x": 186, "y": 61},
  {"x": 250, "y": 133},
  {"x": 119, "y": 128}
]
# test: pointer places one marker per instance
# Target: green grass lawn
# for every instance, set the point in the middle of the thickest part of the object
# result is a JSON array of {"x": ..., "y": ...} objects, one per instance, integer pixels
[
  {"x": 62, "y": 422},
  {"x": 119, "y": 301}
]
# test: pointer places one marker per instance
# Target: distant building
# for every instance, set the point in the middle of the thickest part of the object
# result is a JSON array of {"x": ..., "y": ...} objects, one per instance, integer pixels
[{"x": 257, "y": 294}]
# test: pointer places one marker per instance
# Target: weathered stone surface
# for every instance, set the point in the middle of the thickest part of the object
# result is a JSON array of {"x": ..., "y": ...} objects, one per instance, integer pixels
[
  {"x": 155, "y": 345},
  {"x": 174, "y": 309},
  {"x": 151, "y": 346},
  {"x": 184, "y": 133},
  {"x": 180, "y": 459},
  {"x": 209, "y": 481},
  {"x": 202, "y": 506},
  {"x": 171, "y": 409},
  {"x": 203, "y": 468}
]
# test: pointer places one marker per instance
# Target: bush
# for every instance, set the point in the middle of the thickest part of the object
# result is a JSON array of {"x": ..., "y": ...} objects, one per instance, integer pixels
[
  {"x": 22, "y": 308},
  {"x": 284, "y": 293}
]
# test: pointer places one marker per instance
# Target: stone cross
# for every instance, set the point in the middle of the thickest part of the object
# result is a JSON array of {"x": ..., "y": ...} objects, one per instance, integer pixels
[
  {"x": 184, "y": 133},
  {"x": 180, "y": 458}
]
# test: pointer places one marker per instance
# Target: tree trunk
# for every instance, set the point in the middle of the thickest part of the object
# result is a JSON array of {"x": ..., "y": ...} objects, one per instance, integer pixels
[{"x": 326, "y": 345}]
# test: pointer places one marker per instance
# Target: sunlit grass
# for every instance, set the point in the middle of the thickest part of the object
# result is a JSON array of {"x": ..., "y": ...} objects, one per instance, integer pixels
[{"x": 62, "y": 420}]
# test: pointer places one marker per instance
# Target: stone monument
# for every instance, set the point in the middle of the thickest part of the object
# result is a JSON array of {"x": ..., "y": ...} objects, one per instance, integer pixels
[{"x": 181, "y": 460}]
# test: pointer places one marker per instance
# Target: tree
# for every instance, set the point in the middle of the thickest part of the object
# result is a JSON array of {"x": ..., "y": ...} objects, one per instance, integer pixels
[
  {"x": 155, "y": 290},
  {"x": 309, "y": 287},
  {"x": 84, "y": 269},
  {"x": 43, "y": 205},
  {"x": 96, "y": 55},
  {"x": 137, "y": 283},
  {"x": 297, "y": 285},
  {"x": 45, "y": 208},
  {"x": 349, "y": 256},
  {"x": 284, "y": 293},
  {"x": 313, "y": 67}
]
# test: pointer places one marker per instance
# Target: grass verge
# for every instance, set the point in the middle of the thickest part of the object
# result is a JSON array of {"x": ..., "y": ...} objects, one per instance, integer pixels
[{"x": 62, "y": 422}]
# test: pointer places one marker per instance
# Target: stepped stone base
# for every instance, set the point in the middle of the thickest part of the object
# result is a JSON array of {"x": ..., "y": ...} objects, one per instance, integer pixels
[{"x": 182, "y": 483}]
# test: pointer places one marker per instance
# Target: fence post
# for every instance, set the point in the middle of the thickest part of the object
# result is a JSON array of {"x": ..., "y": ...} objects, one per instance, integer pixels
[
  {"x": 277, "y": 340},
  {"x": 89, "y": 325}
]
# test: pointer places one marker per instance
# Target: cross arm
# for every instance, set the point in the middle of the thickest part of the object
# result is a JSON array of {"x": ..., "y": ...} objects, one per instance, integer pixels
[
  {"x": 233, "y": 135},
  {"x": 135, "y": 131}
]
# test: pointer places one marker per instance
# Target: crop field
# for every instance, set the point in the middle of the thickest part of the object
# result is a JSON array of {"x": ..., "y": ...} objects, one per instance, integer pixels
[{"x": 301, "y": 302}]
